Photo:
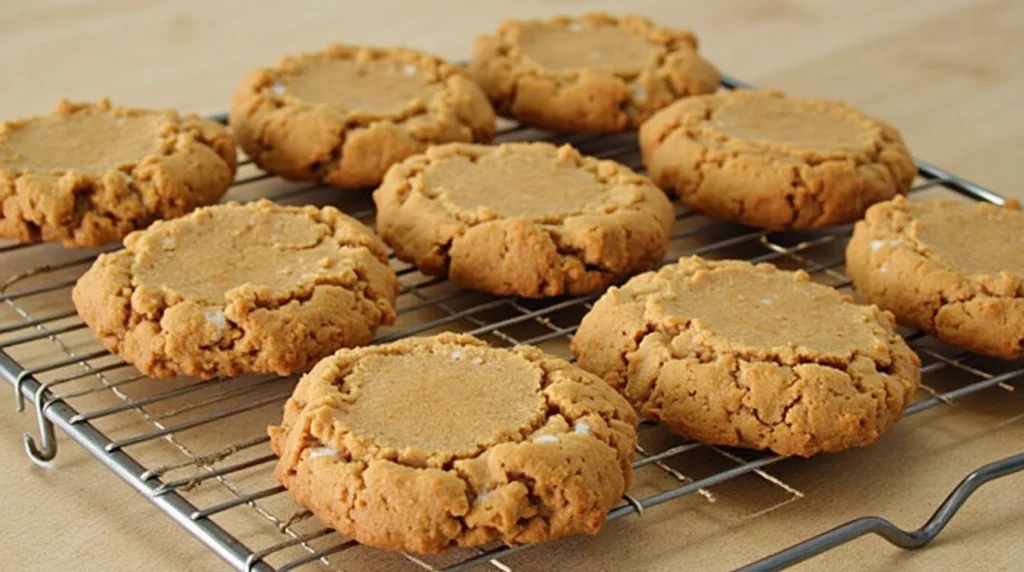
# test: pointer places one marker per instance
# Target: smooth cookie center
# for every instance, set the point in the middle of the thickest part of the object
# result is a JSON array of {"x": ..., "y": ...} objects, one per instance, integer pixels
[
  {"x": 561, "y": 48},
  {"x": 526, "y": 184},
  {"x": 455, "y": 404},
  {"x": 218, "y": 250},
  {"x": 84, "y": 142},
  {"x": 383, "y": 87},
  {"x": 794, "y": 123},
  {"x": 766, "y": 311},
  {"x": 976, "y": 241}
]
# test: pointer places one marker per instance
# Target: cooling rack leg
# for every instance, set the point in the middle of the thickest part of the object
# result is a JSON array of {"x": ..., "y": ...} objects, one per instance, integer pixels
[{"x": 887, "y": 530}]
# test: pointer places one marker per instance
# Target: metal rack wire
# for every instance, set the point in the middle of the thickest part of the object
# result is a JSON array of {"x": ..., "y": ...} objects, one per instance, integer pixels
[{"x": 197, "y": 450}]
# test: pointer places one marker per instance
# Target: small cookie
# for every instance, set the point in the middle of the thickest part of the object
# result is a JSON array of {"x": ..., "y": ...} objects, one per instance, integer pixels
[
  {"x": 236, "y": 288},
  {"x": 430, "y": 443},
  {"x": 952, "y": 269},
  {"x": 525, "y": 219},
  {"x": 770, "y": 161},
  {"x": 594, "y": 73},
  {"x": 89, "y": 174},
  {"x": 346, "y": 114},
  {"x": 730, "y": 353}
]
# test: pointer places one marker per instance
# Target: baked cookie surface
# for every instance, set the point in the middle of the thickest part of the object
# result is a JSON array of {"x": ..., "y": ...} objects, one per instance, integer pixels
[
  {"x": 730, "y": 353},
  {"x": 233, "y": 288},
  {"x": 346, "y": 114},
  {"x": 479, "y": 444},
  {"x": 952, "y": 269},
  {"x": 89, "y": 174},
  {"x": 595, "y": 73},
  {"x": 766, "y": 160},
  {"x": 525, "y": 219}
]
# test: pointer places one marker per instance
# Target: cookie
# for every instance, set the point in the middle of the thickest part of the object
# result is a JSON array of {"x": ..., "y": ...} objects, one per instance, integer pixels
[
  {"x": 89, "y": 174},
  {"x": 430, "y": 443},
  {"x": 770, "y": 161},
  {"x": 237, "y": 288},
  {"x": 524, "y": 219},
  {"x": 949, "y": 268},
  {"x": 595, "y": 73},
  {"x": 730, "y": 353},
  {"x": 346, "y": 114}
]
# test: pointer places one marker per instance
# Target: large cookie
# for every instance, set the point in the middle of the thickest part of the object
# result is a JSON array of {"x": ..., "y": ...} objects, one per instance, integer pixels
[
  {"x": 429, "y": 443},
  {"x": 525, "y": 219},
  {"x": 237, "y": 288},
  {"x": 949, "y": 268},
  {"x": 89, "y": 174},
  {"x": 348, "y": 113},
  {"x": 595, "y": 73},
  {"x": 770, "y": 161},
  {"x": 750, "y": 356}
]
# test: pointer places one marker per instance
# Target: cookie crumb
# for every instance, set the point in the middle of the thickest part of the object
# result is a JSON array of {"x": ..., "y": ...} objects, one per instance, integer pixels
[
  {"x": 317, "y": 452},
  {"x": 545, "y": 439}
]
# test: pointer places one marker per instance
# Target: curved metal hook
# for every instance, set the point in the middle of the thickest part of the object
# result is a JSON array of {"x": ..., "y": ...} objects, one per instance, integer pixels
[
  {"x": 19, "y": 397},
  {"x": 46, "y": 453},
  {"x": 887, "y": 530}
]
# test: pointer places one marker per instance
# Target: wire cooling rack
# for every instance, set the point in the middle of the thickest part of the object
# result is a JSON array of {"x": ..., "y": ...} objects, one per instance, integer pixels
[{"x": 198, "y": 450}]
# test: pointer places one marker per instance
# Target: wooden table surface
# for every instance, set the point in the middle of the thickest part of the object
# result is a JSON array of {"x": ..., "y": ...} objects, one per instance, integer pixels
[{"x": 948, "y": 73}]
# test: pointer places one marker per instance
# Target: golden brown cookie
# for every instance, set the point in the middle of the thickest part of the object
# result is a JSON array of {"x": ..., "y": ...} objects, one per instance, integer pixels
[
  {"x": 430, "y": 443},
  {"x": 730, "y": 353},
  {"x": 237, "y": 288},
  {"x": 89, "y": 174},
  {"x": 770, "y": 161},
  {"x": 952, "y": 269},
  {"x": 525, "y": 219},
  {"x": 348, "y": 113},
  {"x": 595, "y": 73}
]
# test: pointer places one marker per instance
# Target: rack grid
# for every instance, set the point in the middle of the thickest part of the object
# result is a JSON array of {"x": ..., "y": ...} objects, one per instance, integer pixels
[{"x": 198, "y": 449}]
